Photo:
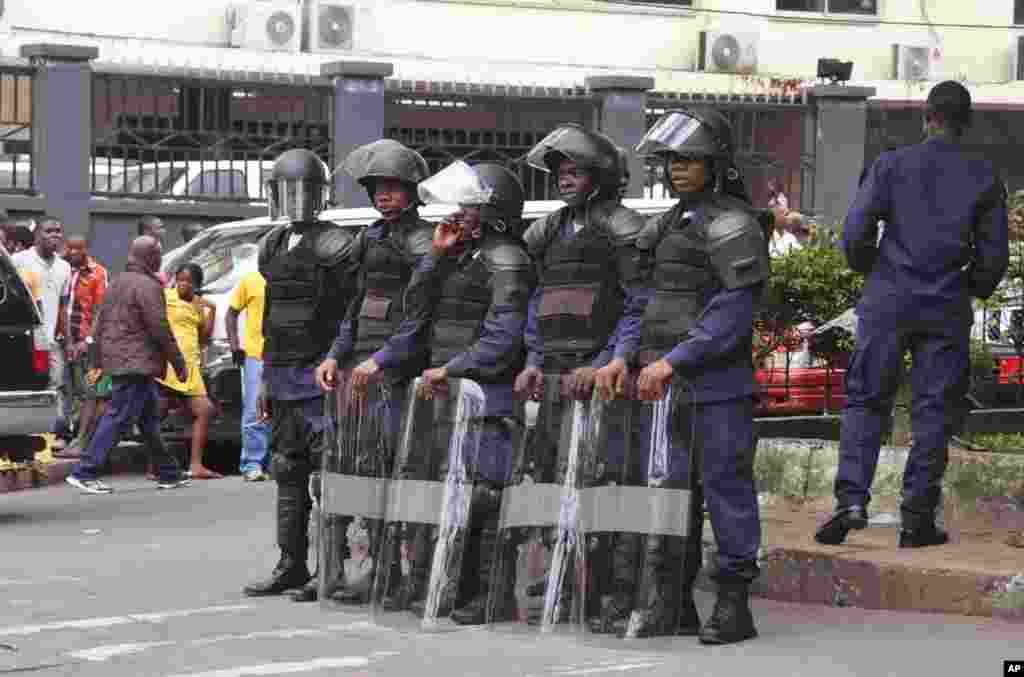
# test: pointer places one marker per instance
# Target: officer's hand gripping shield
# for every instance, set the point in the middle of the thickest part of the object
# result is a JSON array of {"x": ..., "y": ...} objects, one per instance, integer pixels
[
  {"x": 542, "y": 560},
  {"x": 357, "y": 466},
  {"x": 428, "y": 506}
]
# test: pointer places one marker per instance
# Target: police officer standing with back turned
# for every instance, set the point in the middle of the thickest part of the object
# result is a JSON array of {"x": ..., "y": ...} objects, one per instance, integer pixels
[
  {"x": 945, "y": 241},
  {"x": 710, "y": 266},
  {"x": 310, "y": 283}
]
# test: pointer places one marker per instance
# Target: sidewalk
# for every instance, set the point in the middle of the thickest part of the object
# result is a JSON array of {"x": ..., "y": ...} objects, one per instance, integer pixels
[{"x": 976, "y": 574}]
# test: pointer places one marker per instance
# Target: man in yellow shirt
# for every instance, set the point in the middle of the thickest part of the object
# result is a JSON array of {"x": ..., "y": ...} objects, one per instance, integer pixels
[{"x": 249, "y": 296}]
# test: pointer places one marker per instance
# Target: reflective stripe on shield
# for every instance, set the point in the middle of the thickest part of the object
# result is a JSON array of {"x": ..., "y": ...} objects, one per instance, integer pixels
[
  {"x": 357, "y": 466},
  {"x": 428, "y": 502}
]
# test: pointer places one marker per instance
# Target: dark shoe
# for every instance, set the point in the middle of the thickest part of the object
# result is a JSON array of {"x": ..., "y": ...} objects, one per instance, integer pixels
[
  {"x": 731, "y": 621},
  {"x": 308, "y": 592},
  {"x": 287, "y": 576},
  {"x": 923, "y": 537},
  {"x": 473, "y": 613},
  {"x": 349, "y": 596},
  {"x": 834, "y": 531},
  {"x": 658, "y": 595},
  {"x": 689, "y": 620}
]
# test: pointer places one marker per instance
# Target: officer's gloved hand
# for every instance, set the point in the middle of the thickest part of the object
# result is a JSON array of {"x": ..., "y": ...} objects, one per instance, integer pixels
[
  {"x": 579, "y": 384},
  {"x": 238, "y": 357}
]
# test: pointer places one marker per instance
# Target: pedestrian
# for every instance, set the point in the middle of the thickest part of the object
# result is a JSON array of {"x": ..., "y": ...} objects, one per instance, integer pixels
[
  {"x": 783, "y": 240},
  {"x": 945, "y": 241},
  {"x": 53, "y": 275},
  {"x": 135, "y": 344},
  {"x": 309, "y": 284},
  {"x": 776, "y": 197},
  {"x": 377, "y": 343},
  {"x": 191, "y": 318},
  {"x": 474, "y": 287},
  {"x": 153, "y": 226},
  {"x": 249, "y": 297},
  {"x": 589, "y": 297},
  {"x": 710, "y": 266},
  {"x": 86, "y": 288}
]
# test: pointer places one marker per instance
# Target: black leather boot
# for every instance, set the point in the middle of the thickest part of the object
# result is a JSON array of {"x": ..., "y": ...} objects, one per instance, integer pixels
[
  {"x": 834, "y": 531},
  {"x": 617, "y": 603},
  {"x": 656, "y": 612},
  {"x": 309, "y": 592},
  {"x": 693, "y": 560},
  {"x": 293, "y": 506},
  {"x": 731, "y": 621},
  {"x": 923, "y": 536},
  {"x": 492, "y": 580}
]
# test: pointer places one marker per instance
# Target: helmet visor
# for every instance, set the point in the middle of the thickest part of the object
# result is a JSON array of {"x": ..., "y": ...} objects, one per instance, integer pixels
[
  {"x": 295, "y": 199},
  {"x": 669, "y": 134},
  {"x": 456, "y": 184},
  {"x": 561, "y": 141}
]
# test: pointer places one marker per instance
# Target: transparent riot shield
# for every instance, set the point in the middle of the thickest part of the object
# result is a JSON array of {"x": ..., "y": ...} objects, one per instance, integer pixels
[
  {"x": 652, "y": 524},
  {"x": 542, "y": 558},
  {"x": 428, "y": 505},
  {"x": 357, "y": 466}
]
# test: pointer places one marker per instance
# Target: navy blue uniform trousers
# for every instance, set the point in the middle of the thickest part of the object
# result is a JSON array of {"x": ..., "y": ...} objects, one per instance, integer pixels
[{"x": 939, "y": 378}]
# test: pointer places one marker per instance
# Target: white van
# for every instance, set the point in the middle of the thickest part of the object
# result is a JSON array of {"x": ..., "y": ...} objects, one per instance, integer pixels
[{"x": 223, "y": 253}]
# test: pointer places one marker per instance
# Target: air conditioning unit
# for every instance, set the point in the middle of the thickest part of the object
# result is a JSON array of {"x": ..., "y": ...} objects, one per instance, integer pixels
[
  {"x": 331, "y": 26},
  {"x": 273, "y": 25},
  {"x": 911, "y": 62},
  {"x": 721, "y": 52}
]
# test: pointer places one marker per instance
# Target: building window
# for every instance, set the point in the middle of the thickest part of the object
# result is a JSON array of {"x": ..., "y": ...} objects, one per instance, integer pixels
[{"x": 867, "y": 7}]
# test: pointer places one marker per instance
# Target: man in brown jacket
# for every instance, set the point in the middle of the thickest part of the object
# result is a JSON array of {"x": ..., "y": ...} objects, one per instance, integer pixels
[{"x": 134, "y": 342}]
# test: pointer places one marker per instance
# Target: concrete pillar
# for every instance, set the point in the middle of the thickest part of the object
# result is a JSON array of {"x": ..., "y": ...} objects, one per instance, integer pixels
[
  {"x": 360, "y": 109},
  {"x": 840, "y": 124},
  {"x": 623, "y": 117},
  {"x": 62, "y": 130}
]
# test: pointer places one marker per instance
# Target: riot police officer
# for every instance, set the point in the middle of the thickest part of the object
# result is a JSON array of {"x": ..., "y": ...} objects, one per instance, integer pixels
[
  {"x": 945, "y": 241},
  {"x": 477, "y": 284},
  {"x": 589, "y": 294},
  {"x": 710, "y": 266},
  {"x": 310, "y": 282},
  {"x": 376, "y": 340}
]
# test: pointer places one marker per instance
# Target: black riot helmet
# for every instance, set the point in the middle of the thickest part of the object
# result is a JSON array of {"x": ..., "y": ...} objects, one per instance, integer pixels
[
  {"x": 503, "y": 211},
  {"x": 700, "y": 134},
  {"x": 589, "y": 150},
  {"x": 297, "y": 187},
  {"x": 386, "y": 159}
]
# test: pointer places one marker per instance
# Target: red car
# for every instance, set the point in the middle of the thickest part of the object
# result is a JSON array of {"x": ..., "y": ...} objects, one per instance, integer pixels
[{"x": 794, "y": 383}]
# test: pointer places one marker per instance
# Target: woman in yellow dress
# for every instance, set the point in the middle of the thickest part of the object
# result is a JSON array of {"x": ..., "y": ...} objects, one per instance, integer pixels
[{"x": 191, "y": 318}]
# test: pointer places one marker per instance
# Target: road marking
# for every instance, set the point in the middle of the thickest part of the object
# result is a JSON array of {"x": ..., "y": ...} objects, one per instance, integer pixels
[
  {"x": 621, "y": 667},
  {"x": 108, "y": 651},
  {"x": 40, "y": 581},
  {"x": 109, "y": 621},
  {"x": 283, "y": 668}
]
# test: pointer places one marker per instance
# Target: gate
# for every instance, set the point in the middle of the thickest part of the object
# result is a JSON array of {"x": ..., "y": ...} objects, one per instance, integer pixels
[{"x": 16, "y": 175}]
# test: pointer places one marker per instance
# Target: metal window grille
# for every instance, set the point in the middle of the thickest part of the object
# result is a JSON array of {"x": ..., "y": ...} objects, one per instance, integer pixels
[
  {"x": 16, "y": 175},
  {"x": 182, "y": 139}
]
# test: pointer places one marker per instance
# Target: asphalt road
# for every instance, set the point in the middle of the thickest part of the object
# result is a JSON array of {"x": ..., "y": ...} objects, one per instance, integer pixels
[{"x": 143, "y": 583}]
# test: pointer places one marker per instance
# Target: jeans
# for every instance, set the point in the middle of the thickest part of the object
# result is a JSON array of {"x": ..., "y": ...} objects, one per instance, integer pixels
[
  {"x": 255, "y": 455},
  {"x": 134, "y": 398}
]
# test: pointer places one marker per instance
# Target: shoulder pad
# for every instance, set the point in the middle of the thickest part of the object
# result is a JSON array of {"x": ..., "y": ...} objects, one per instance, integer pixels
[
  {"x": 540, "y": 232},
  {"x": 333, "y": 245},
  {"x": 505, "y": 253},
  {"x": 269, "y": 245},
  {"x": 738, "y": 249},
  {"x": 420, "y": 237},
  {"x": 624, "y": 224},
  {"x": 654, "y": 226}
]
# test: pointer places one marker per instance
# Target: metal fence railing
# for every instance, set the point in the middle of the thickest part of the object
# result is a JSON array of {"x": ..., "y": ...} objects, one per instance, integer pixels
[
  {"x": 16, "y": 175},
  {"x": 182, "y": 139}
]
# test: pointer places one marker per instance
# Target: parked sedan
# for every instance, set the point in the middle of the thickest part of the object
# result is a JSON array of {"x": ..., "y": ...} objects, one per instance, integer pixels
[{"x": 28, "y": 408}]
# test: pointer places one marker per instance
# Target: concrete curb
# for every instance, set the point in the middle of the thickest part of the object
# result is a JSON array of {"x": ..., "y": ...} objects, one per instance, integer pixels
[{"x": 126, "y": 459}]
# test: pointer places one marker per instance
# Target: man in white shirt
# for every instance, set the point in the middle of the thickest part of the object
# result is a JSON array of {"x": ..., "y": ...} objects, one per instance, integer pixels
[{"x": 53, "y": 274}]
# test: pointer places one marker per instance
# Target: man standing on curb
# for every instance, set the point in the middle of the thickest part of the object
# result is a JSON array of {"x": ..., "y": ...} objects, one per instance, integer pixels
[
  {"x": 135, "y": 345},
  {"x": 945, "y": 241}
]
